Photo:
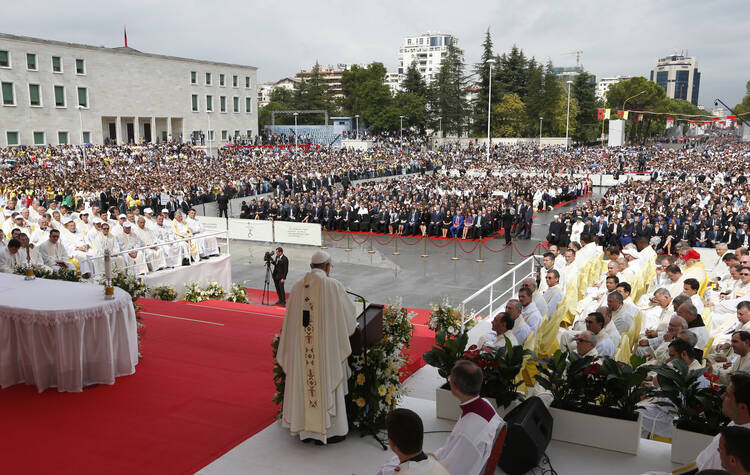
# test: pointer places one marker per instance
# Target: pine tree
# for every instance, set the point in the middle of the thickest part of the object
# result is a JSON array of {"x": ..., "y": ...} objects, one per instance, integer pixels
[
  {"x": 447, "y": 93},
  {"x": 482, "y": 70},
  {"x": 414, "y": 83},
  {"x": 553, "y": 90},
  {"x": 583, "y": 91}
]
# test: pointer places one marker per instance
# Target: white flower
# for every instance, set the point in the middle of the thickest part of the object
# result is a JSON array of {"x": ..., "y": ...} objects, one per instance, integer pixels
[{"x": 451, "y": 330}]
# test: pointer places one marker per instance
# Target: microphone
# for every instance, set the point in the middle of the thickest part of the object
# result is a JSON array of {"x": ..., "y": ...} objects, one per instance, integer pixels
[{"x": 349, "y": 291}]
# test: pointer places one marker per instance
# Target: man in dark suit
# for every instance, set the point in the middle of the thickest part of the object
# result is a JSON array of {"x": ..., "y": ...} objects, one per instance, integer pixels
[
  {"x": 280, "y": 270},
  {"x": 555, "y": 231}
]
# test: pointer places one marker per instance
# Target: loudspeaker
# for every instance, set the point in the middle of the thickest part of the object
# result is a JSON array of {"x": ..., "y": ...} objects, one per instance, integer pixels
[{"x": 529, "y": 433}]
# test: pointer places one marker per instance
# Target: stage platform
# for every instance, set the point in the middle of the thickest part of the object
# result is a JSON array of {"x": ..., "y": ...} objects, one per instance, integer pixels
[{"x": 215, "y": 269}]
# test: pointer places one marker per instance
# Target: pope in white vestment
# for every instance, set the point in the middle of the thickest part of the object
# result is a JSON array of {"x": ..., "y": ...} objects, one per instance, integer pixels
[
  {"x": 313, "y": 351},
  {"x": 155, "y": 255}
]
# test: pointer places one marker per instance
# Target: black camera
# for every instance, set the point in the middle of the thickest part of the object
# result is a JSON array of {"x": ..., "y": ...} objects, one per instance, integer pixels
[{"x": 268, "y": 256}]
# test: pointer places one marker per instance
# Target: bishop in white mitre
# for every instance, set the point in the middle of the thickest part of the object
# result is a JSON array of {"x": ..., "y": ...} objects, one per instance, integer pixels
[{"x": 135, "y": 261}]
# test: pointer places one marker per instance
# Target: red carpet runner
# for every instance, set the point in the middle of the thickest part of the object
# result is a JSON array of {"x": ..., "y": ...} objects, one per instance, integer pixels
[{"x": 203, "y": 387}]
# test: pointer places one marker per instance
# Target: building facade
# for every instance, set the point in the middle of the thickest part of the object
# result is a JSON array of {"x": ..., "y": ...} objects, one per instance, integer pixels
[
  {"x": 329, "y": 75},
  {"x": 679, "y": 76},
  {"x": 427, "y": 50},
  {"x": 603, "y": 85},
  {"x": 265, "y": 90},
  {"x": 64, "y": 93}
]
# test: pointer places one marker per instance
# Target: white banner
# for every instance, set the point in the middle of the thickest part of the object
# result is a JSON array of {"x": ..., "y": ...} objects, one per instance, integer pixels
[
  {"x": 251, "y": 230},
  {"x": 297, "y": 233},
  {"x": 213, "y": 224}
]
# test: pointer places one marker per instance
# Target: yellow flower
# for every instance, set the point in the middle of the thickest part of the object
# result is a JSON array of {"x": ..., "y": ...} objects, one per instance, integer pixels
[
  {"x": 360, "y": 402},
  {"x": 391, "y": 389},
  {"x": 360, "y": 379},
  {"x": 381, "y": 390},
  {"x": 388, "y": 399}
]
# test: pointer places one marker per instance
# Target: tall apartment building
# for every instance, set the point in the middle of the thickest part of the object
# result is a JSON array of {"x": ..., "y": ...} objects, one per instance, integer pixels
[
  {"x": 679, "y": 76},
  {"x": 330, "y": 75},
  {"x": 64, "y": 93},
  {"x": 428, "y": 50},
  {"x": 602, "y": 87}
]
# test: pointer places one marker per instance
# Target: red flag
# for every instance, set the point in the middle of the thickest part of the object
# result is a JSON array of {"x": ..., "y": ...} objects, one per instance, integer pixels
[
  {"x": 731, "y": 117},
  {"x": 600, "y": 114},
  {"x": 619, "y": 113},
  {"x": 692, "y": 122},
  {"x": 669, "y": 118},
  {"x": 125, "y": 31}
]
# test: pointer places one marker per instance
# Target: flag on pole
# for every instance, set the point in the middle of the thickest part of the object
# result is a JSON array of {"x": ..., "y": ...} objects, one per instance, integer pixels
[
  {"x": 640, "y": 117},
  {"x": 670, "y": 122},
  {"x": 125, "y": 32},
  {"x": 607, "y": 113},
  {"x": 625, "y": 115},
  {"x": 731, "y": 117},
  {"x": 619, "y": 114},
  {"x": 600, "y": 114}
]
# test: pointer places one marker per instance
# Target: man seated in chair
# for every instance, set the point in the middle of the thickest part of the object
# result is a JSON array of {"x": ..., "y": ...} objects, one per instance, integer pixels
[
  {"x": 468, "y": 446},
  {"x": 405, "y": 436},
  {"x": 502, "y": 326}
]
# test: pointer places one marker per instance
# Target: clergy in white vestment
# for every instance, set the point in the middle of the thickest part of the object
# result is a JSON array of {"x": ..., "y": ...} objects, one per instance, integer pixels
[
  {"x": 548, "y": 263},
  {"x": 154, "y": 255},
  {"x": 30, "y": 253},
  {"x": 53, "y": 252},
  {"x": 529, "y": 312},
  {"x": 536, "y": 296},
  {"x": 595, "y": 323},
  {"x": 22, "y": 225},
  {"x": 10, "y": 258},
  {"x": 693, "y": 268},
  {"x": 208, "y": 246},
  {"x": 77, "y": 247},
  {"x": 405, "y": 437},
  {"x": 502, "y": 326},
  {"x": 83, "y": 223},
  {"x": 554, "y": 293},
  {"x": 470, "y": 442},
  {"x": 181, "y": 230},
  {"x": 175, "y": 254},
  {"x": 521, "y": 329},
  {"x": 695, "y": 323},
  {"x": 720, "y": 270},
  {"x": 622, "y": 315},
  {"x": 135, "y": 261},
  {"x": 106, "y": 241},
  {"x": 313, "y": 351}
]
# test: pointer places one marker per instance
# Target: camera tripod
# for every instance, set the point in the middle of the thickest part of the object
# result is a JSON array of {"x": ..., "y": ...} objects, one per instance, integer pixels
[{"x": 266, "y": 285}]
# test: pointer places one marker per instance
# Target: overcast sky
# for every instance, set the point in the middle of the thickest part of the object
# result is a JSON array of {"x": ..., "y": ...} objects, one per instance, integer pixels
[{"x": 280, "y": 37}]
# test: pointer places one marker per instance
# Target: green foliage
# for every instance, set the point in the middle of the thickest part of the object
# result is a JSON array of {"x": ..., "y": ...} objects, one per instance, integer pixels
[
  {"x": 622, "y": 385},
  {"x": 446, "y": 351},
  {"x": 500, "y": 367},
  {"x": 69, "y": 275},
  {"x": 587, "y": 125},
  {"x": 509, "y": 116},
  {"x": 279, "y": 378},
  {"x": 413, "y": 107},
  {"x": 744, "y": 106},
  {"x": 446, "y": 97},
  {"x": 237, "y": 294},
  {"x": 366, "y": 95},
  {"x": 482, "y": 69},
  {"x": 164, "y": 292},
  {"x": 413, "y": 82},
  {"x": 697, "y": 408}
]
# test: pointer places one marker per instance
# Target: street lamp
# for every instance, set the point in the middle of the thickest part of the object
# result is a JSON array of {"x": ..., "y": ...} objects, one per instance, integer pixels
[
  {"x": 631, "y": 97},
  {"x": 357, "y": 132},
  {"x": 567, "y": 118},
  {"x": 489, "y": 104},
  {"x": 401, "y": 133},
  {"x": 440, "y": 119},
  {"x": 83, "y": 142},
  {"x": 295, "y": 130},
  {"x": 208, "y": 133},
  {"x": 540, "y": 129}
]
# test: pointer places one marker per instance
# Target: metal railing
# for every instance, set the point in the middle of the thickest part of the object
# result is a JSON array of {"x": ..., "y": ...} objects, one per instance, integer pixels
[{"x": 510, "y": 280}]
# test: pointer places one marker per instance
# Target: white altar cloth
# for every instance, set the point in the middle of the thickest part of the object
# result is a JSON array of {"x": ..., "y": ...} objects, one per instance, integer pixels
[{"x": 64, "y": 334}]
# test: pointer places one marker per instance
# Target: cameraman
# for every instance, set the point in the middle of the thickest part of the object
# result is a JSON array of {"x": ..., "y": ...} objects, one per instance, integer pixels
[{"x": 280, "y": 269}]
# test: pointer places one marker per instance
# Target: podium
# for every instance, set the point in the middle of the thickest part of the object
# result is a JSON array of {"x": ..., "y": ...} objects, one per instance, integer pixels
[{"x": 371, "y": 320}]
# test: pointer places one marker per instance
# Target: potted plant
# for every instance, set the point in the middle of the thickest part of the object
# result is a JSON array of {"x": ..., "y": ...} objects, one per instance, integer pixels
[
  {"x": 695, "y": 399},
  {"x": 594, "y": 400},
  {"x": 443, "y": 355}
]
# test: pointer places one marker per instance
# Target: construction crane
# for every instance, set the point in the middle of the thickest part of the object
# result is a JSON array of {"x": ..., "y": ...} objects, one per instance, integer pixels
[{"x": 578, "y": 57}]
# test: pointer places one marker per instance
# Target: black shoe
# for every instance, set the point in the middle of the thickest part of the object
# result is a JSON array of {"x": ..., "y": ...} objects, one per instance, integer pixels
[
  {"x": 185, "y": 261},
  {"x": 335, "y": 439},
  {"x": 86, "y": 275}
]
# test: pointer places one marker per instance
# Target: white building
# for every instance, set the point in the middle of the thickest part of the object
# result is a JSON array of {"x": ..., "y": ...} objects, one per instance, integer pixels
[
  {"x": 58, "y": 93},
  {"x": 679, "y": 76},
  {"x": 605, "y": 83},
  {"x": 264, "y": 90},
  {"x": 392, "y": 81},
  {"x": 428, "y": 50}
]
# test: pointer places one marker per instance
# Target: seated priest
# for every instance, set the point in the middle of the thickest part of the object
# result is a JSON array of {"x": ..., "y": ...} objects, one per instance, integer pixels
[
  {"x": 502, "y": 326},
  {"x": 405, "y": 436}
]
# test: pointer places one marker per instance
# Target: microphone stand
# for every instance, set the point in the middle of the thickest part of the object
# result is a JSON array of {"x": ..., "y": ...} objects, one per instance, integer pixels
[{"x": 366, "y": 425}]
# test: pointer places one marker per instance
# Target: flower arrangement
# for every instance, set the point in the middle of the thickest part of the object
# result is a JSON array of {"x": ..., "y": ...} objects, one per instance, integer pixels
[
  {"x": 500, "y": 367},
  {"x": 69, "y": 275},
  {"x": 696, "y": 405},
  {"x": 164, "y": 292},
  {"x": 446, "y": 318},
  {"x": 137, "y": 288},
  {"x": 375, "y": 387},
  {"x": 279, "y": 378},
  {"x": 214, "y": 291},
  {"x": 447, "y": 350},
  {"x": 237, "y": 294},
  {"x": 194, "y": 293}
]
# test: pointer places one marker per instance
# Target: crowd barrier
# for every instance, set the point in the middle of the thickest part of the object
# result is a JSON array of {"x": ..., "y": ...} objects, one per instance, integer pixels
[{"x": 279, "y": 232}]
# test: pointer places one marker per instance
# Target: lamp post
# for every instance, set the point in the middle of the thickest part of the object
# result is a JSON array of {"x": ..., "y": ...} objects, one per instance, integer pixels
[
  {"x": 357, "y": 131},
  {"x": 631, "y": 97},
  {"x": 208, "y": 133},
  {"x": 489, "y": 108},
  {"x": 440, "y": 121},
  {"x": 567, "y": 118},
  {"x": 83, "y": 142},
  {"x": 401, "y": 133},
  {"x": 540, "y": 129},
  {"x": 295, "y": 131}
]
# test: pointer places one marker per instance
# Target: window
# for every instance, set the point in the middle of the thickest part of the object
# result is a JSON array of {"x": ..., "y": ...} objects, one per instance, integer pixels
[
  {"x": 80, "y": 66},
  {"x": 38, "y": 138},
  {"x": 223, "y": 103},
  {"x": 210, "y": 135},
  {"x": 209, "y": 104},
  {"x": 249, "y": 133},
  {"x": 236, "y": 133},
  {"x": 83, "y": 97},
  {"x": 62, "y": 138},
  {"x": 195, "y": 102},
  {"x": 34, "y": 95},
  {"x": 8, "y": 96},
  {"x": 4, "y": 58},
  {"x": 12, "y": 138},
  {"x": 208, "y": 79},
  {"x": 56, "y": 64},
  {"x": 223, "y": 135},
  {"x": 234, "y": 81},
  {"x": 236, "y": 101},
  {"x": 248, "y": 104},
  {"x": 221, "y": 79},
  {"x": 59, "y": 96},
  {"x": 86, "y": 137},
  {"x": 31, "y": 61},
  {"x": 193, "y": 77},
  {"x": 247, "y": 82}
]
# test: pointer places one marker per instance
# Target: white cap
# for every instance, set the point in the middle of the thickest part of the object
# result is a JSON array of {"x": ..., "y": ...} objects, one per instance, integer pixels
[
  {"x": 148, "y": 210},
  {"x": 8, "y": 212},
  {"x": 320, "y": 257},
  {"x": 122, "y": 216},
  {"x": 631, "y": 252},
  {"x": 18, "y": 216},
  {"x": 66, "y": 220},
  {"x": 127, "y": 224},
  {"x": 86, "y": 211},
  {"x": 556, "y": 216},
  {"x": 165, "y": 210},
  {"x": 97, "y": 220}
]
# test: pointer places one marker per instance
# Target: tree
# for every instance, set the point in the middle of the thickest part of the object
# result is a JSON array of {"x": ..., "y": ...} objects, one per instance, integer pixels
[
  {"x": 744, "y": 106},
  {"x": 535, "y": 98},
  {"x": 583, "y": 91},
  {"x": 446, "y": 93},
  {"x": 560, "y": 116},
  {"x": 553, "y": 90},
  {"x": 414, "y": 82},
  {"x": 413, "y": 107},
  {"x": 512, "y": 72},
  {"x": 366, "y": 95},
  {"x": 509, "y": 116},
  {"x": 313, "y": 94},
  {"x": 482, "y": 69}
]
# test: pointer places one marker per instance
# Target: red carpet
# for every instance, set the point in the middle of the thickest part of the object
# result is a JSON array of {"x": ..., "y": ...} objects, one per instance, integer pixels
[{"x": 203, "y": 386}]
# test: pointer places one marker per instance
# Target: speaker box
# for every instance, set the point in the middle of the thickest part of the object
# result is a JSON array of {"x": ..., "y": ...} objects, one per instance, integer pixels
[{"x": 529, "y": 433}]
